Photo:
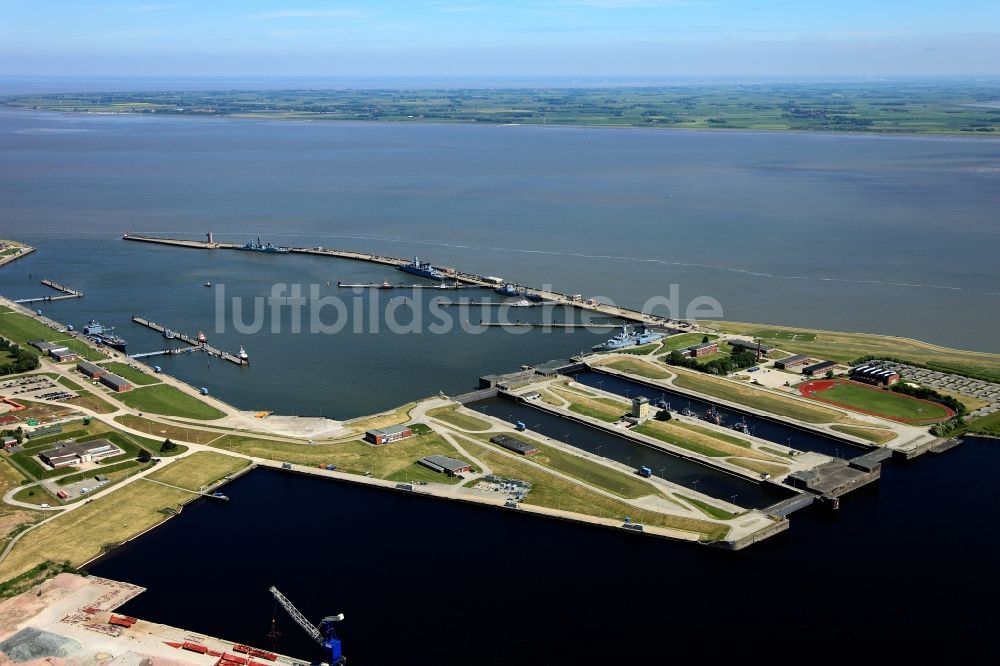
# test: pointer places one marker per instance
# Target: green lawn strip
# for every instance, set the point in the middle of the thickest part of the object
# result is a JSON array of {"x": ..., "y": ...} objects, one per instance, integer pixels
[
  {"x": 156, "y": 429},
  {"x": 776, "y": 452},
  {"x": 21, "y": 329},
  {"x": 876, "y": 435},
  {"x": 449, "y": 414},
  {"x": 779, "y": 334},
  {"x": 725, "y": 437},
  {"x": 682, "y": 340},
  {"x": 399, "y": 415},
  {"x": 354, "y": 456},
  {"x": 882, "y": 402},
  {"x": 137, "y": 377},
  {"x": 198, "y": 470},
  {"x": 84, "y": 533},
  {"x": 603, "y": 409},
  {"x": 169, "y": 401},
  {"x": 709, "y": 509},
  {"x": 760, "y": 466},
  {"x": 624, "y": 485},
  {"x": 985, "y": 425},
  {"x": 103, "y": 471},
  {"x": 637, "y": 367},
  {"x": 417, "y": 472},
  {"x": 756, "y": 398},
  {"x": 551, "y": 491},
  {"x": 33, "y": 495},
  {"x": 682, "y": 442}
]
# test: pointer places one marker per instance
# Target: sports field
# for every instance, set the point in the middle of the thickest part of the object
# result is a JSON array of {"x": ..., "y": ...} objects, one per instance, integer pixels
[{"x": 875, "y": 401}]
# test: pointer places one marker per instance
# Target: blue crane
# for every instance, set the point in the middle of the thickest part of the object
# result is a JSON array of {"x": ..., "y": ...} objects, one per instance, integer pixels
[{"x": 324, "y": 634}]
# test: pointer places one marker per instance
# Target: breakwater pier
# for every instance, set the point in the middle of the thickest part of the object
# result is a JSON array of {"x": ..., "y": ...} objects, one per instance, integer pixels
[
  {"x": 194, "y": 342},
  {"x": 66, "y": 293},
  {"x": 454, "y": 276}
]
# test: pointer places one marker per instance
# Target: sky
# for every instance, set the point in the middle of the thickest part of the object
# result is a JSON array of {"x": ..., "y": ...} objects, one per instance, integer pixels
[{"x": 509, "y": 38}]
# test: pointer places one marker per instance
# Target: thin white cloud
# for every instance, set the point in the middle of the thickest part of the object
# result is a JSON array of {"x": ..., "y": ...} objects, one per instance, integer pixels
[
  {"x": 627, "y": 4},
  {"x": 344, "y": 13}
]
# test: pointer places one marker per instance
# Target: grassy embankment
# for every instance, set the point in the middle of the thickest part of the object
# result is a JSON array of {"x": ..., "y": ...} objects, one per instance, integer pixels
[
  {"x": 157, "y": 429},
  {"x": 79, "y": 535},
  {"x": 614, "y": 481},
  {"x": 636, "y": 366},
  {"x": 682, "y": 340},
  {"x": 551, "y": 491},
  {"x": 875, "y": 435},
  {"x": 137, "y": 377},
  {"x": 168, "y": 401},
  {"x": 757, "y": 398},
  {"x": 699, "y": 439},
  {"x": 198, "y": 470},
  {"x": 710, "y": 510},
  {"x": 604, "y": 409},
  {"x": 450, "y": 415},
  {"x": 353, "y": 456},
  {"x": 846, "y": 347},
  {"x": 21, "y": 328},
  {"x": 13, "y": 519}
]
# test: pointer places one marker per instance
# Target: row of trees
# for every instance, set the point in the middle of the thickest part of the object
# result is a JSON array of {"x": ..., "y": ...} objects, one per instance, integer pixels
[
  {"x": 926, "y": 393},
  {"x": 21, "y": 360}
]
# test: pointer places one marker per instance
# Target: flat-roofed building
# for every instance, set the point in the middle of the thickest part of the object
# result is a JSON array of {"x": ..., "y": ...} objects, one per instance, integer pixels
[
  {"x": 875, "y": 374},
  {"x": 750, "y": 345},
  {"x": 792, "y": 361},
  {"x": 74, "y": 453},
  {"x": 820, "y": 368},
  {"x": 449, "y": 466},
  {"x": 701, "y": 349},
  {"x": 62, "y": 355},
  {"x": 90, "y": 369},
  {"x": 514, "y": 444},
  {"x": 115, "y": 383},
  {"x": 387, "y": 435}
]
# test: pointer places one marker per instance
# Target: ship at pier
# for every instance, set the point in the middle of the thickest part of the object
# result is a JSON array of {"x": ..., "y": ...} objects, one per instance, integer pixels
[
  {"x": 628, "y": 336},
  {"x": 425, "y": 270},
  {"x": 104, "y": 335},
  {"x": 250, "y": 246}
]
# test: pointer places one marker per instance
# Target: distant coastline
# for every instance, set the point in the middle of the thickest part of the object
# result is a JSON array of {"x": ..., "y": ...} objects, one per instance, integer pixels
[{"x": 900, "y": 108}]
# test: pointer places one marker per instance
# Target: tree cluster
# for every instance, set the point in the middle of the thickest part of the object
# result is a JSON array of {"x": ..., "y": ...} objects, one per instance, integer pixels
[
  {"x": 21, "y": 360},
  {"x": 737, "y": 360}
]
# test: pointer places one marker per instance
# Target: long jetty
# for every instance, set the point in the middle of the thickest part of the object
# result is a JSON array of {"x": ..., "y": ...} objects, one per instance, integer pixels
[
  {"x": 465, "y": 278},
  {"x": 386, "y": 285},
  {"x": 226, "y": 356},
  {"x": 66, "y": 293}
]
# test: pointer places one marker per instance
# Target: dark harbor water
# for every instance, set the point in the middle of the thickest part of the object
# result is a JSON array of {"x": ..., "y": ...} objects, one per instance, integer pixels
[
  {"x": 673, "y": 468},
  {"x": 775, "y": 431},
  {"x": 903, "y": 569}
]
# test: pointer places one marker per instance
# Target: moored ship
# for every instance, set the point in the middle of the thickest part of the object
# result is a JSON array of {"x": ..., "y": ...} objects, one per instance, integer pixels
[
  {"x": 425, "y": 270},
  {"x": 250, "y": 246},
  {"x": 104, "y": 335}
]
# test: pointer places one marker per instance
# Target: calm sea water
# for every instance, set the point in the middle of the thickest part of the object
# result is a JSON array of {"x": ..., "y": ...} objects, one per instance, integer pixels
[
  {"x": 883, "y": 234},
  {"x": 896, "y": 571},
  {"x": 892, "y": 235}
]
